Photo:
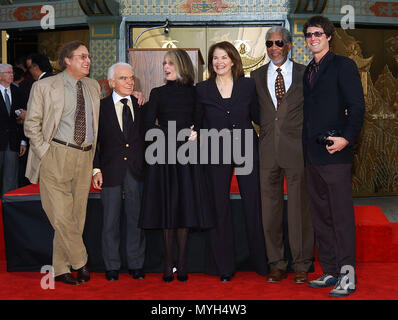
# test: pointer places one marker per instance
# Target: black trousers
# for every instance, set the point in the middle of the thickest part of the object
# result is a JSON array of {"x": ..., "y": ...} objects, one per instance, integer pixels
[
  {"x": 332, "y": 212},
  {"x": 135, "y": 242},
  {"x": 221, "y": 237}
]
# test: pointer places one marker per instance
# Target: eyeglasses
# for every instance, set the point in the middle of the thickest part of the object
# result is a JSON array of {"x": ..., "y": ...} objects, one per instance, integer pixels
[
  {"x": 316, "y": 34},
  {"x": 83, "y": 56},
  {"x": 9, "y": 72},
  {"x": 278, "y": 43},
  {"x": 123, "y": 78}
]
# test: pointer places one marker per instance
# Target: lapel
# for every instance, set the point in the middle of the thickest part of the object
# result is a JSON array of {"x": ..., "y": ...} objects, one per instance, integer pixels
[
  {"x": 215, "y": 93},
  {"x": 3, "y": 108},
  {"x": 323, "y": 67},
  {"x": 111, "y": 115},
  {"x": 295, "y": 80},
  {"x": 264, "y": 82},
  {"x": 92, "y": 92},
  {"x": 14, "y": 102},
  {"x": 57, "y": 97}
]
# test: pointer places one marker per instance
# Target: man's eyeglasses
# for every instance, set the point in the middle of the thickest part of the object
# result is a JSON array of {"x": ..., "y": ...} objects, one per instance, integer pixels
[
  {"x": 316, "y": 34},
  {"x": 84, "y": 56},
  {"x": 123, "y": 78},
  {"x": 278, "y": 43},
  {"x": 9, "y": 72}
]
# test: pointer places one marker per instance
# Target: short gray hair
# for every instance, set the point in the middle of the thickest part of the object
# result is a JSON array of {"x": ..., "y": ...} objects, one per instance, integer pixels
[
  {"x": 3, "y": 66},
  {"x": 286, "y": 35},
  {"x": 111, "y": 70}
]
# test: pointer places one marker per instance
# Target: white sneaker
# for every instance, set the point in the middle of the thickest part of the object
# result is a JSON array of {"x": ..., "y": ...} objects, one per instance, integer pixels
[{"x": 343, "y": 287}]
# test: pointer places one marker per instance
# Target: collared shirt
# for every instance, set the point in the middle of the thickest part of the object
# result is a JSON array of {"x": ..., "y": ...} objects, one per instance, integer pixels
[
  {"x": 2, "y": 89},
  {"x": 119, "y": 107},
  {"x": 287, "y": 73},
  {"x": 65, "y": 131},
  {"x": 313, "y": 67}
]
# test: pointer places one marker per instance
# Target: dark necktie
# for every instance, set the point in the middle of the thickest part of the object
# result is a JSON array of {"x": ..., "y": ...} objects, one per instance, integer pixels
[
  {"x": 279, "y": 87},
  {"x": 7, "y": 101},
  {"x": 80, "y": 120},
  {"x": 126, "y": 117}
]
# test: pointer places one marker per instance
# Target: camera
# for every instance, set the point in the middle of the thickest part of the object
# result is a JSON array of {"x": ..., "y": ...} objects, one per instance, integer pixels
[{"x": 323, "y": 137}]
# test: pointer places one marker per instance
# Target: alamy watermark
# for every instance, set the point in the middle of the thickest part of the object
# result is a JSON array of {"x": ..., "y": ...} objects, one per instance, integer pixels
[
  {"x": 47, "y": 21},
  {"x": 348, "y": 20},
  {"x": 232, "y": 143},
  {"x": 348, "y": 280},
  {"x": 47, "y": 281}
]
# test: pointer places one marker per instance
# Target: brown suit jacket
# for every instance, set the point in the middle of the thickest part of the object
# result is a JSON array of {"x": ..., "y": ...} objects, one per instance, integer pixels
[
  {"x": 281, "y": 129},
  {"x": 45, "y": 106}
]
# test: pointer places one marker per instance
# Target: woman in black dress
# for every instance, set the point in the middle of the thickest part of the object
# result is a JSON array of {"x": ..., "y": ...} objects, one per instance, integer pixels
[
  {"x": 175, "y": 195},
  {"x": 227, "y": 102}
]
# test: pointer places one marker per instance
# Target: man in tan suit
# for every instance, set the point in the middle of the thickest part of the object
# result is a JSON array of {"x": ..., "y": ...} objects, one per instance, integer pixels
[
  {"x": 61, "y": 122},
  {"x": 280, "y": 92}
]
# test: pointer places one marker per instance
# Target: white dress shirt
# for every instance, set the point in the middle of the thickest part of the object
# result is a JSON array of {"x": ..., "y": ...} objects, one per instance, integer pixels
[
  {"x": 119, "y": 107},
  {"x": 287, "y": 72}
]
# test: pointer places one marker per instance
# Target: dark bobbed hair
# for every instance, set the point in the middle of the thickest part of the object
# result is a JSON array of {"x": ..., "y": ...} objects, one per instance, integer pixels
[
  {"x": 320, "y": 22},
  {"x": 233, "y": 54},
  {"x": 183, "y": 65},
  {"x": 67, "y": 51}
]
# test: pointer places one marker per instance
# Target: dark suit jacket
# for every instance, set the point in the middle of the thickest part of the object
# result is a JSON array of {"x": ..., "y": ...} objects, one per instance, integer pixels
[
  {"x": 113, "y": 148},
  {"x": 10, "y": 131},
  {"x": 281, "y": 129},
  {"x": 210, "y": 111},
  {"x": 337, "y": 86}
]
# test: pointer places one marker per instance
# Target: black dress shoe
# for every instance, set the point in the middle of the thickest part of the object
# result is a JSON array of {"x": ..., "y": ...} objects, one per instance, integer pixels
[
  {"x": 112, "y": 275},
  {"x": 168, "y": 278},
  {"x": 67, "y": 278},
  {"x": 182, "y": 278},
  {"x": 83, "y": 274},
  {"x": 226, "y": 277},
  {"x": 137, "y": 274}
]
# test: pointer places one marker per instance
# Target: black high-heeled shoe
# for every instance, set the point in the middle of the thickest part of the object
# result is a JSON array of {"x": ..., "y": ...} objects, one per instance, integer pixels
[
  {"x": 182, "y": 277},
  {"x": 168, "y": 278}
]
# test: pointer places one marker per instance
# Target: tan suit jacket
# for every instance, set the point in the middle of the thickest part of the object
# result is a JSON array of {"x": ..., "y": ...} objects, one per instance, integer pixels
[
  {"x": 281, "y": 129},
  {"x": 45, "y": 107}
]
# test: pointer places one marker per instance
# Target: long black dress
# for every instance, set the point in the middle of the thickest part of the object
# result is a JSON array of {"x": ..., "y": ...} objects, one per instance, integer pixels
[{"x": 175, "y": 195}]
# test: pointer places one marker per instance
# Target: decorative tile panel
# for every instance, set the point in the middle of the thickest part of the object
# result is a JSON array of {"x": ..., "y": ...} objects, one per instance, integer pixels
[
  {"x": 104, "y": 53},
  {"x": 31, "y": 11},
  {"x": 202, "y": 7}
]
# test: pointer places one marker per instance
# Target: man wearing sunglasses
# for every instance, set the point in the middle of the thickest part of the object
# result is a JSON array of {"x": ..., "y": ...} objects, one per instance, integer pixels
[
  {"x": 280, "y": 92},
  {"x": 333, "y": 101}
]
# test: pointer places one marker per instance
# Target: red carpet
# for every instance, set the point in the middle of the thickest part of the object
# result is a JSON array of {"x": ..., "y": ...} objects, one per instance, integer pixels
[
  {"x": 377, "y": 256},
  {"x": 376, "y": 281}
]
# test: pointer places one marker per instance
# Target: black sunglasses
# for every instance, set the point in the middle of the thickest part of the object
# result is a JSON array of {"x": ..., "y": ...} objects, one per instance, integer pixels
[
  {"x": 278, "y": 43},
  {"x": 317, "y": 34}
]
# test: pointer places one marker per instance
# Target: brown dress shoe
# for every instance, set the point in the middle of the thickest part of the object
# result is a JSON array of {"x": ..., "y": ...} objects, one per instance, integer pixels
[
  {"x": 83, "y": 275},
  {"x": 300, "y": 277},
  {"x": 277, "y": 275},
  {"x": 67, "y": 278}
]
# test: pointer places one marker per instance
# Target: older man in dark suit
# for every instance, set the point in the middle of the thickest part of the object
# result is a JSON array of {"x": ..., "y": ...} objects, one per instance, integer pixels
[
  {"x": 333, "y": 116},
  {"x": 280, "y": 92},
  {"x": 118, "y": 167},
  {"x": 12, "y": 144}
]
